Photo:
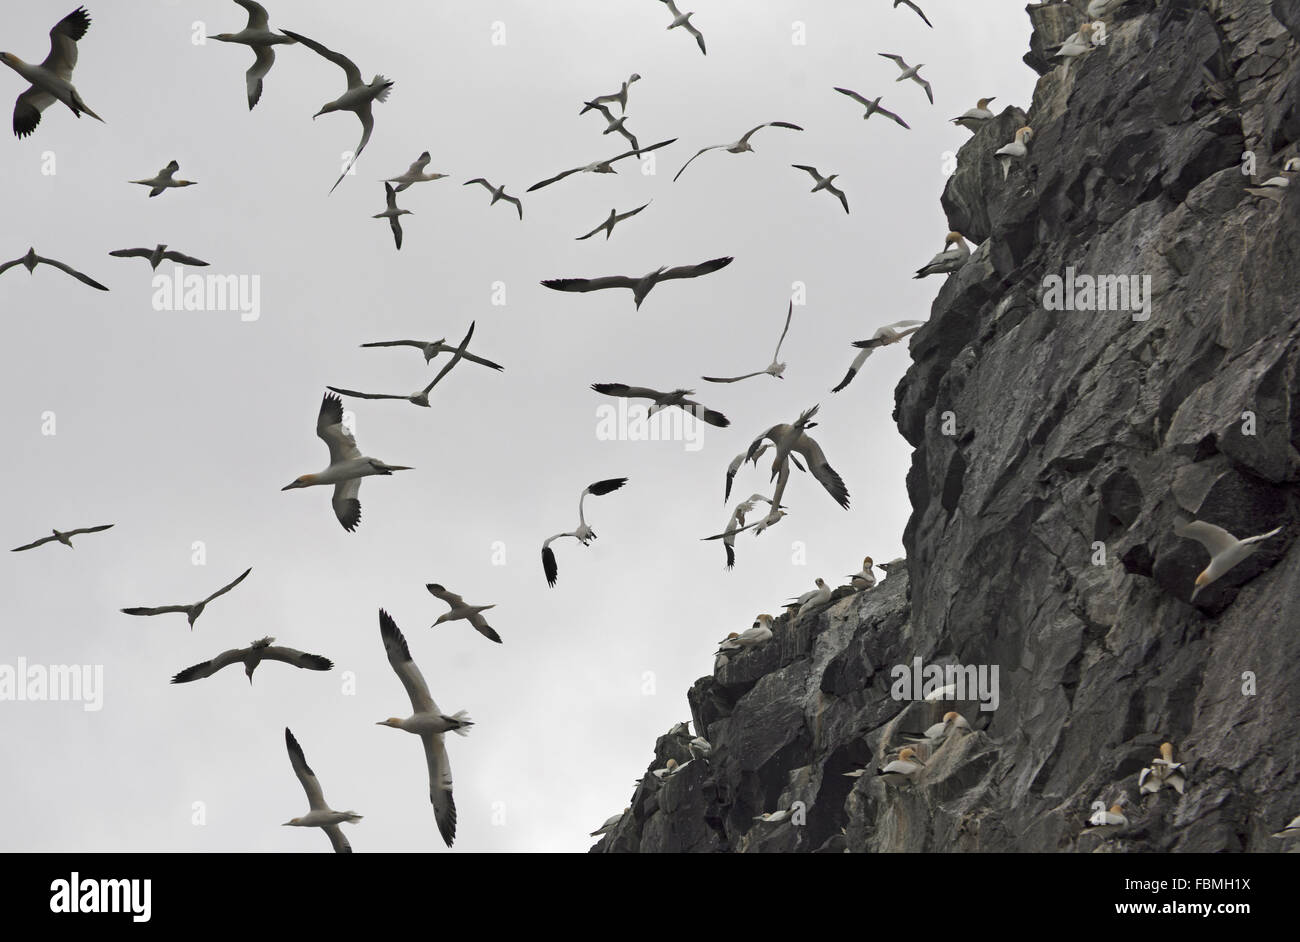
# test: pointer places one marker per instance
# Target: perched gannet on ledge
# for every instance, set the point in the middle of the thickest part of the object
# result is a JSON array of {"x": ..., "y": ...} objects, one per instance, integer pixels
[
  {"x": 427, "y": 722},
  {"x": 1225, "y": 549},
  {"x": 393, "y": 214},
  {"x": 51, "y": 81},
  {"x": 415, "y": 174},
  {"x": 903, "y": 769},
  {"x": 159, "y": 254},
  {"x": 749, "y": 638},
  {"x": 883, "y": 337},
  {"x": 826, "y": 183},
  {"x": 1291, "y": 830},
  {"x": 741, "y": 146},
  {"x": 250, "y": 657},
  {"x": 615, "y": 217},
  {"x": 976, "y": 117},
  {"x": 459, "y": 610},
  {"x": 259, "y": 37},
  {"x": 165, "y": 179},
  {"x": 1077, "y": 44},
  {"x": 31, "y": 260},
  {"x": 640, "y": 287},
  {"x": 62, "y": 536},
  {"x": 610, "y": 823},
  {"x": 498, "y": 193},
  {"x": 954, "y": 255},
  {"x": 773, "y": 817},
  {"x": 600, "y": 166},
  {"x": 619, "y": 97},
  {"x": 910, "y": 72},
  {"x": 775, "y": 368},
  {"x": 1114, "y": 817},
  {"x": 1018, "y": 149},
  {"x": 419, "y": 397},
  {"x": 872, "y": 106},
  {"x": 951, "y": 723},
  {"x": 684, "y": 20},
  {"x": 359, "y": 97},
  {"x": 810, "y": 600},
  {"x": 321, "y": 815},
  {"x": 192, "y": 612},
  {"x": 1099, "y": 8},
  {"x": 584, "y": 534},
  {"x": 866, "y": 579},
  {"x": 1162, "y": 771},
  {"x": 1274, "y": 188},
  {"x": 664, "y": 400},
  {"x": 347, "y": 465}
]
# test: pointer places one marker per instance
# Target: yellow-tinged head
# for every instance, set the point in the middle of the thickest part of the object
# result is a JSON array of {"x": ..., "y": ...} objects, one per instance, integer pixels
[
  {"x": 1117, "y": 808},
  {"x": 951, "y": 716},
  {"x": 305, "y": 480},
  {"x": 867, "y": 563},
  {"x": 391, "y": 721},
  {"x": 1167, "y": 751}
]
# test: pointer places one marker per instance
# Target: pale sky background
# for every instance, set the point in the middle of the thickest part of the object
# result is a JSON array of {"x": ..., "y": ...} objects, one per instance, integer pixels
[{"x": 183, "y": 426}]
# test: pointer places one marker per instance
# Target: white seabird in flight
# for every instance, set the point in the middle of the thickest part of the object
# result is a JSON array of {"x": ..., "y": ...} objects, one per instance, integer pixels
[
  {"x": 640, "y": 287},
  {"x": 431, "y": 348},
  {"x": 741, "y": 146},
  {"x": 873, "y": 106},
  {"x": 31, "y": 260},
  {"x": 736, "y": 524},
  {"x": 192, "y": 612},
  {"x": 741, "y": 458},
  {"x": 359, "y": 98},
  {"x": 1225, "y": 549},
  {"x": 975, "y": 118},
  {"x": 459, "y": 610},
  {"x": 392, "y": 214},
  {"x": 883, "y": 337},
  {"x": 619, "y": 96},
  {"x": 954, "y": 255},
  {"x": 250, "y": 657},
  {"x": 498, "y": 193},
  {"x": 826, "y": 183},
  {"x": 916, "y": 9},
  {"x": 794, "y": 438},
  {"x": 664, "y": 400},
  {"x": 321, "y": 815},
  {"x": 615, "y": 217},
  {"x": 613, "y": 124},
  {"x": 775, "y": 368},
  {"x": 259, "y": 37},
  {"x": 427, "y": 722},
  {"x": 684, "y": 20},
  {"x": 159, "y": 254},
  {"x": 415, "y": 174},
  {"x": 419, "y": 397},
  {"x": 910, "y": 72},
  {"x": 347, "y": 465},
  {"x": 165, "y": 179},
  {"x": 584, "y": 534},
  {"x": 61, "y": 536},
  {"x": 51, "y": 81},
  {"x": 600, "y": 166}
]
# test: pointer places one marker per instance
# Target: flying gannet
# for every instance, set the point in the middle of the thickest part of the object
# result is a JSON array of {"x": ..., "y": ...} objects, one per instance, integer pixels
[
  {"x": 359, "y": 98},
  {"x": 610, "y": 823},
  {"x": 873, "y": 106},
  {"x": 1162, "y": 771},
  {"x": 619, "y": 97},
  {"x": 883, "y": 337},
  {"x": 664, "y": 400},
  {"x": 741, "y": 458},
  {"x": 259, "y": 37},
  {"x": 1018, "y": 149},
  {"x": 951, "y": 723},
  {"x": 826, "y": 183},
  {"x": 736, "y": 524},
  {"x": 1225, "y": 549},
  {"x": 31, "y": 260},
  {"x": 250, "y": 657},
  {"x": 459, "y": 610},
  {"x": 393, "y": 214},
  {"x": 600, "y": 166},
  {"x": 752, "y": 637},
  {"x": 321, "y": 815},
  {"x": 51, "y": 81},
  {"x": 415, "y": 174},
  {"x": 498, "y": 193},
  {"x": 975, "y": 118},
  {"x": 794, "y": 438},
  {"x": 584, "y": 534},
  {"x": 431, "y": 348},
  {"x": 954, "y": 255},
  {"x": 61, "y": 536},
  {"x": 157, "y": 255},
  {"x": 684, "y": 20},
  {"x": 903, "y": 769},
  {"x": 912, "y": 72},
  {"x": 775, "y": 368},
  {"x": 192, "y": 612},
  {"x": 1275, "y": 188},
  {"x": 741, "y": 146},
  {"x": 640, "y": 287},
  {"x": 916, "y": 9},
  {"x": 866, "y": 578},
  {"x": 614, "y": 124},
  {"x": 427, "y": 722},
  {"x": 615, "y": 217},
  {"x": 421, "y": 396},
  {"x": 347, "y": 465},
  {"x": 166, "y": 179}
]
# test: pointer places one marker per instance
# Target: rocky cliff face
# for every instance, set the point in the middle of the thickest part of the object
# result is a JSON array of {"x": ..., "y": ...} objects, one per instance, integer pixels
[{"x": 1055, "y": 450}]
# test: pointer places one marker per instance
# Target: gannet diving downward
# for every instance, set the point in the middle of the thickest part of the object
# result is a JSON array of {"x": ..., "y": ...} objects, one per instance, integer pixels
[
  {"x": 584, "y": 534},
  {"x": 347, "y": 465},
  {"x": 427, "y": 722},
  {"x": 31, "y": 260},
  {"x": 1225, "y": 549},
  {"x": 321, "y": 815},
  {"x": 259, "y": 37},
  {"x": 51, "y": 81}
]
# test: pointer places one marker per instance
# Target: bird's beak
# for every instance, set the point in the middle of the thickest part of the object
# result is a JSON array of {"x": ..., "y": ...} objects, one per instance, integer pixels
[{"x": 290, "y": 486}]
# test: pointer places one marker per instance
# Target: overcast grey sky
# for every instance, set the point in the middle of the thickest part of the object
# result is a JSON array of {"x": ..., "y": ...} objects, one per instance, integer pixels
[{"x": 183, "y": 426}]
